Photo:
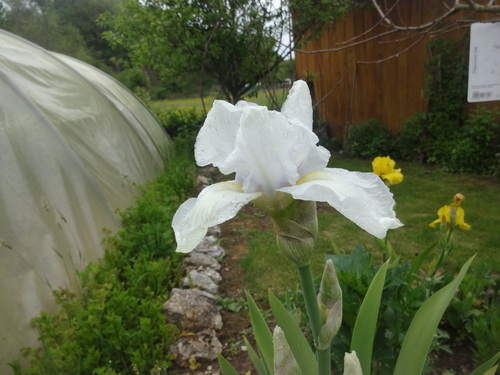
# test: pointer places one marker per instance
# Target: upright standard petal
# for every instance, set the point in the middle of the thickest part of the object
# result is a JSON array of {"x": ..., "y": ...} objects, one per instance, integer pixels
[
  {"x": 217, "y": 137},
  {"x": 216, "y": 204},
  {"x": 298, "y": 106},
  {"x": 271, "y": 153},
  {"x": 361, "y": 197}
]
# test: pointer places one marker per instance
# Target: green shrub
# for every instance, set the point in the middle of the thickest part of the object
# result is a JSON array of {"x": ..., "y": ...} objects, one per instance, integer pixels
[
  {"x": 369, "y": 139},
  {"x": 117, "y": 325},
  {"x": 447, "y": 79},
  {"x": 109, "y": 328},
  {"x": 475, "y": 148},
  {"x": 446, "y": 135},
  {"x": 469, "y": 148},
  {"x": 410, "y": 145},
  {"x": 474, "y": 312},
  {"x": 184, "y": 123}
]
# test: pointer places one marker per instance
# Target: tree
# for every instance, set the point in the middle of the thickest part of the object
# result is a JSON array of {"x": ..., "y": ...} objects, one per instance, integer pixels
[
  {"x": 310, "y": 17},
  {"x": 43, "y": 27},
  {"x": 66, "y": 26},
  {"x": 231, "y": 41},
  {"x": 83, "y": 15}
]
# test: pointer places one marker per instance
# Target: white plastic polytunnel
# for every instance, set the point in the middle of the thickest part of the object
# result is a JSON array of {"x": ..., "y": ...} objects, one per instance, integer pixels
[{"x": 73, "y": 145}]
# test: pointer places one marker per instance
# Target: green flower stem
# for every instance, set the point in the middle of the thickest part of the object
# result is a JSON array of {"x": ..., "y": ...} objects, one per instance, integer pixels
[{"x": 312, "y": 308}]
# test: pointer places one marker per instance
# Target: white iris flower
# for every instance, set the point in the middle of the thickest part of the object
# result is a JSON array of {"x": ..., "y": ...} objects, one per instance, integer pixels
[{"x": 275, "y": 157}]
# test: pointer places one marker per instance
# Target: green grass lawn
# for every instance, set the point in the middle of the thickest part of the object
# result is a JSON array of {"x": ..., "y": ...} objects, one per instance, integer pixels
[
  {"x": 260, "y": 98},
  {"x": 423, "y": 191}
]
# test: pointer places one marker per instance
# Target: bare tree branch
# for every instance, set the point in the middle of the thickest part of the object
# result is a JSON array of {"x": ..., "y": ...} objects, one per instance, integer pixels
[{"x": 490, "y": 7}]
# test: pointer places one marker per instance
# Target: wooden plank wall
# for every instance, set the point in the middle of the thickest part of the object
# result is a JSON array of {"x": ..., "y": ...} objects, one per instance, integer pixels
[{"x": 382, "y": 77}]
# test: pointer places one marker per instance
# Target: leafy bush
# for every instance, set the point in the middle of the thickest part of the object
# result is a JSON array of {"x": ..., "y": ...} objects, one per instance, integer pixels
[
  {"x": 476, "y": 146},
  {"x": 474, "y": 312},
  {"x": 117, "y": 325},
  {"x": 181, "y": 123},
  {"x": 369, "y": 140},
  {"x": 446, "y": 135},
  {"x": 447, "y": 79},
  {"x": 469, "y": 148},
  {"x": 410, "y": 145}
]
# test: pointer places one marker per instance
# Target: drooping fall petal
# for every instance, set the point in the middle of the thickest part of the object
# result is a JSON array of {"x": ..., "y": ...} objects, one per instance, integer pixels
[
  {"x": 361, "y": 197},
  {"x": 216, "y": 204},
  {"x": 460, "y": 219}
]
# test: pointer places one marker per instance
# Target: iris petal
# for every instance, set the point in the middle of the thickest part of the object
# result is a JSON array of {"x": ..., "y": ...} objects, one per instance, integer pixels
[
  {"x": 216, "y": 204},
  {"x": 271, "y": 153},
  {"x": 361, "y": 197},
  {"x": 298, "y": 106},
  {"x": 217, "y": 137},
  {"x": 460, "y": 219}
]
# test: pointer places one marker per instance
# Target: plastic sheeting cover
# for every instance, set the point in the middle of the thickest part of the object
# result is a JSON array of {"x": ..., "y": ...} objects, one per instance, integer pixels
[{"x": 73, "y": 144}]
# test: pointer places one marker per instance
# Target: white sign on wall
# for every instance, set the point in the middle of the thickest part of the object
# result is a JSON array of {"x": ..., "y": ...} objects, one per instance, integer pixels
[{"x": 484, "y": 62}]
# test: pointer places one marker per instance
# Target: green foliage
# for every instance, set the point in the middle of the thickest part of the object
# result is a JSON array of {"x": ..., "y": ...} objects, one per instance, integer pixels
[
  {"x": 369, "y": 139},
  {"x": 447, "y": 78},
  {"x": 230, "y": 42},
  {"x": 110, "y": 327},
  {"x": 422, "y": 329},
  {"x": 230, "y": 304},
  {"x": 315, "y": 15},
  {"x": 366, "y": 322},
  {"x": 184, "y": 123},
  {"x": 66, "y": 26},
  {"x": 469, "y": 148},
  {"x": 474, "y": 312},
  {"x": 409, "y": 142},
  {"x": 475, "y": 149},
  {"x": 471, "y": 313},
  {"x": 399, "y": 304},
  {"x": 446, "y": 135},
  {"x": 117, "y": 325}
]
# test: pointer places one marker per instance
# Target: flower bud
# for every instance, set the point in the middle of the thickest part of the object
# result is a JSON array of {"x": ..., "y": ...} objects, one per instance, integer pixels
[
  {"x": 296, "y": 231},
  {"x": 284, "y": 361},
  {"x": 330, "y": 306},
  {"x": 457, "y": 200},
  {"x": 351, "y": 364}
]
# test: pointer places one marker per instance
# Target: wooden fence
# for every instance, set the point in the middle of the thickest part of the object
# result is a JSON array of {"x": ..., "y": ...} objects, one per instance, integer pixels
[{"x": 362, "y": 69}]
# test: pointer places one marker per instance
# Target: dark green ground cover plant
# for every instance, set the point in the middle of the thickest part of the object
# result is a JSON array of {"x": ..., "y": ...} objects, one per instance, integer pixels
[{"x": 116, "y": 325}]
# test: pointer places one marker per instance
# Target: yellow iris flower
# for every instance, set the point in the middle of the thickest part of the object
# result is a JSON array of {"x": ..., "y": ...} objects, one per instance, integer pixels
[
  {"x": 383, "y": 166},
  {"x": 452, "y": 214}
]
